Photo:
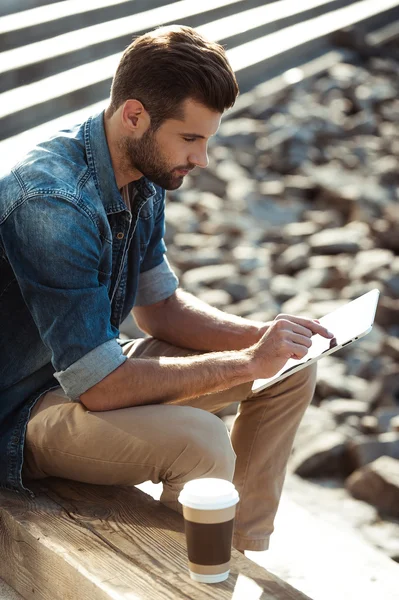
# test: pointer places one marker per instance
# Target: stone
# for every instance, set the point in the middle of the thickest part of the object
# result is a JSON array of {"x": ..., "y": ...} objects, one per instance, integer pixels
[
  {"x": 272, "y": 187},
  {"x": 207, "y": 181},
  {"x": 323, "y": 277},
  {"x": 369, "y": 425},
  {"x": 378, "y": 484},
  {"x": 341, "y": 408},
  {"x": 283, "y": 287},
  {"x": 301, "y": 230},
  {"x": 387, "y": 311},
  {"x": 384, "y": 535},
  {"x": 248, "y": 258},
  {"x": 384, "y": 418},
  {"x": 334, "y": 241},
  {"x": 228, "y": 170},
  {"x": 295, "y": 258},
  {"x": 180, "y": 217},
  {"x": 273, "y": 212},
  {"x": 217, "y": 298},
  {"x": 363, "y": 450},
  {"x": 226, "y": 222},
  {"x": 237, "y": 288},
  {"x": 316, "y": 421},
  {"x": 331, "y": 382},
  {"x": 194, "y": 259},
  {"x": 240, "y": 131},
  {"x": 209, "y": 275},
  {"x": 368, "y": 263},
  {"x": 394, "y": 424},
  {"x": 323, "y": 455}
]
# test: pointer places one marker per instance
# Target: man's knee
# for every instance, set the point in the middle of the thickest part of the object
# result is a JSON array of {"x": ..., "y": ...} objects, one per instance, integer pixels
[{"x": 207, "y": 448}]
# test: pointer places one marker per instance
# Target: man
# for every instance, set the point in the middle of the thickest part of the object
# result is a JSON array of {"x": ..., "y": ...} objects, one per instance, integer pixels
[{"x": 81, "y": 245}]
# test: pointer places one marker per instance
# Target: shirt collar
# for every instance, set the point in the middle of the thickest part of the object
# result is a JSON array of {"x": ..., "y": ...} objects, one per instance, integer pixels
[{"x": 100, "y": 164}]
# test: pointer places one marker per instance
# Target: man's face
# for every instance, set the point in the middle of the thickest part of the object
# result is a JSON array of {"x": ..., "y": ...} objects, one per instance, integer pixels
[{"x": 175, "y": 148}]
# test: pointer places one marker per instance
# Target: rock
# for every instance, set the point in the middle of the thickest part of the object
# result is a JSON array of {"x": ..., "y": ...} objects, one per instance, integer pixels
[
  {"x": 323, "y": 277},
  {"x": 323, "y": 455},
  {"x": 368, "y": 263},
  {"x": 384, "y": 535},
  {"x": 394, "y": 424},
  {"x": 299, "y": 231},
  {"x": 273, "y": 212},
  {"x": 195, "y": 259},
  {"x": 316, "y": 421},
  {"x": 195, "y": 241},
  {"x": 295, "y": 258},
  {"x": 341, "y": 408},
  {"x": 208, "y": 275},
  {"x": 238, "y": 288},
  {"x": 207, "y": 181},
  {"x": 283, "y": 287},
  {"x": 387, "y": 311},
  {"x": 334, "y": 241},
  {"x": 384, "y": 418},
  {"x": 271, "y": 188},
  {"x": 386, "y": 391},
  {"x": 180, "y": 217},
  {"x": 378, "y": 484},
  {"x": 240, "y": 132},
  {"x": 226, "y": 222},
  {"x": 228, "y": 170},
  {"x": 363, "y": 450},
  {"x": 369, "y": 425},
  {"x": 217, "y": 298},
  {"x": 298, "y": 186},
  {"x": 248, "y": 258}
]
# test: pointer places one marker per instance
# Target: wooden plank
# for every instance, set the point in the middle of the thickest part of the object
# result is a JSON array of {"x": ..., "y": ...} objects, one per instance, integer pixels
[{"x": 100, "y": 542}]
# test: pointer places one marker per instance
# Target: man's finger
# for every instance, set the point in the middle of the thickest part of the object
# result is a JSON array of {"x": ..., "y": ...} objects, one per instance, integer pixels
[{"x": 312, "y": 324}]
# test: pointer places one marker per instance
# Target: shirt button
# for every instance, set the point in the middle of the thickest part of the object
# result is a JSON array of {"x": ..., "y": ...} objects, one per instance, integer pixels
[{"x": 120, "y": 235}]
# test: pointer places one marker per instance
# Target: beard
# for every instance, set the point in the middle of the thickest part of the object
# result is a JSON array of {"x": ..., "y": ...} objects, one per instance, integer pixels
[{"x": 145, "y": 155}]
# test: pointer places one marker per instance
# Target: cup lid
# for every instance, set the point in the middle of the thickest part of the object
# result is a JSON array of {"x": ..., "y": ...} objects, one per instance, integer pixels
[{"x": 208, "y": 493}]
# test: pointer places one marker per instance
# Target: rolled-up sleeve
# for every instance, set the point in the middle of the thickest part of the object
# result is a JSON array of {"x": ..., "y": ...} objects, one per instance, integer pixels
[
  {"x": 157, "y": 284},
  {"x": 54, "y": 248},
  {"x": 90, "y": 369}
]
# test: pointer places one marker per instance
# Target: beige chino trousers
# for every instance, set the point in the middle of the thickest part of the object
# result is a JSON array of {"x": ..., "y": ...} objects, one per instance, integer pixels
[{"x": 177, "y": 441}]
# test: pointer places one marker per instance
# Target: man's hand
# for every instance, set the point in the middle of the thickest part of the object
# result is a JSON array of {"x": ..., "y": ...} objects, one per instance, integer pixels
[{"x": 286, "y": 337}]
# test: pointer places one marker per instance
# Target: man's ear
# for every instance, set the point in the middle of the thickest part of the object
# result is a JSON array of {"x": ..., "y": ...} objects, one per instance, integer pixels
[{"x": 135, "y": 118}]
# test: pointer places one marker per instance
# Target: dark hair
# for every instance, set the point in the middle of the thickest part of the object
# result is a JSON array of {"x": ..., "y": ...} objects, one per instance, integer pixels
[{"x": 164, "y": 67}]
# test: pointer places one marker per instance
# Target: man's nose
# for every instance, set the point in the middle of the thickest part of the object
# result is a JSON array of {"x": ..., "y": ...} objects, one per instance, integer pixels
[{"x": 199, "y": 159}]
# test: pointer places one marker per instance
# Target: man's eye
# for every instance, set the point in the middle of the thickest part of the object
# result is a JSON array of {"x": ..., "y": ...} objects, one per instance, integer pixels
[{"x": 189, "y": 139}]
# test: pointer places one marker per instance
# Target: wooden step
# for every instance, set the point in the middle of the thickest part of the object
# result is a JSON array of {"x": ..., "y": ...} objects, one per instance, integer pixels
[{"x": 78, "y": 541}]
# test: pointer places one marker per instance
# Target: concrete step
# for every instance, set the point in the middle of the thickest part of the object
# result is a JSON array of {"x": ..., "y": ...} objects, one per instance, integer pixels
[
  {"x": 13, "y": 148},
  {"x": 45, "y": 22},
  {"x": 231, "y": 28},
  {"x": 255, "y": 60},
  {"x": 48, "y": 98},
  {"x": 35, "y": 61}
]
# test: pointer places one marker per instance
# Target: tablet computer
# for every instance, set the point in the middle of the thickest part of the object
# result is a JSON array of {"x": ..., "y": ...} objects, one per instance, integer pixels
[{"x": 348, "y": 324}]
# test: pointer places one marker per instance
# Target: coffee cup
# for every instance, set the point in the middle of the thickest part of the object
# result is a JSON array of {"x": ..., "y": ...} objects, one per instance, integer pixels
[{"x": 209, "y": 506}]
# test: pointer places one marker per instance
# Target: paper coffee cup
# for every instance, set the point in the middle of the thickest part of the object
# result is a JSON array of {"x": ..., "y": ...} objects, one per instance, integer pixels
[{"x": 209, "y": 506}]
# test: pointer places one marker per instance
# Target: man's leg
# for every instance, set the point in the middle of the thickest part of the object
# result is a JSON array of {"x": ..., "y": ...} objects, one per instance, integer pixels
[
  {"x": 174, "y": 443},
  {"x": 262, "y": 437}
]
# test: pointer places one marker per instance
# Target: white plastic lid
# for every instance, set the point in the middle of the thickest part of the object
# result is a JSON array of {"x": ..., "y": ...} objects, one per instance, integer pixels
[{"x": 209, "y": 493}]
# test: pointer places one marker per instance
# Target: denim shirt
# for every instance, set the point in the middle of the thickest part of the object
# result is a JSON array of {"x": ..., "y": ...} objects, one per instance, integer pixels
[{"x": 74, "y": 260}]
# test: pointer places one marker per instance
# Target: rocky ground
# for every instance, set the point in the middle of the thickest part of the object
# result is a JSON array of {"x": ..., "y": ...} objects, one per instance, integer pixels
[{"x": 298, "y": 213}]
